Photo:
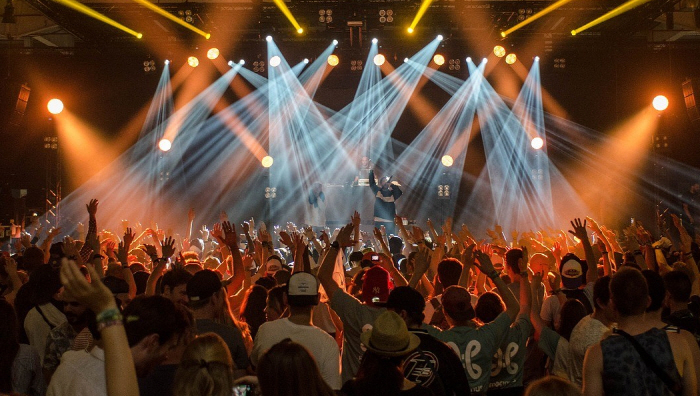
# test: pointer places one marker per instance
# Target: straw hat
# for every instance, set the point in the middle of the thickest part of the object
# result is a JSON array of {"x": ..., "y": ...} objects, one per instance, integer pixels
[{"x": 390, "y": 336}]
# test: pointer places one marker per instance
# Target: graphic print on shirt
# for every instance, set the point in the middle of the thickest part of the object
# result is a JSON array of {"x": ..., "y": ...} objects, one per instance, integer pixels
[
  {"x": 503, "y": 360},
  {"x": 363, "y": 348},
  {"x": 421, "y": 367},
  {"x": 473, "y": 348}
]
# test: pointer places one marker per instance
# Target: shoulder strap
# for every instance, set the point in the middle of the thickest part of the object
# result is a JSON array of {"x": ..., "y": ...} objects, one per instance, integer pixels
[
  {"x": 672, "y": 385},
  {"x": 51, "y": 325}
]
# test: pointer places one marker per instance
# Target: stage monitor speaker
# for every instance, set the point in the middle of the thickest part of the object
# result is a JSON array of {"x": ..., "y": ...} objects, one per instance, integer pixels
[{"x": 691, "y": 88}]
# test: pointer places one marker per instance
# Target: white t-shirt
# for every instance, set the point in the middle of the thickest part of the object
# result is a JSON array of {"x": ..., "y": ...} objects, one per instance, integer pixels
[
  {"x": 38, "y": 329},
  {"x": 321, "y": 346},
  {"x": 587, "y": 332},
  {"x": 80, "y": 373}
]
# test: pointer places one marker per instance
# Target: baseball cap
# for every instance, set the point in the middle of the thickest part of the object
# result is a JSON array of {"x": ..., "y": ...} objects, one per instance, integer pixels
[
  {"x": 203, "y": 285},
  {"x": 376, "y": 285},
  {"x": 573, "y": 272},
  {"x": 302, "y": 289},
  {"x": 406, "y": 298},
  {"x": 457, "y": 303}
]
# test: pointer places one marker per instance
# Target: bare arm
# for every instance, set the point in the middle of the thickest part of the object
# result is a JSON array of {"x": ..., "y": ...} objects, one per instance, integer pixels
[
  {"x": 231, "y": 240},
  {"x": 579, "y": 231},
  {"x": 325, "y": 271},
  {"x": 485, "y": 265},
  {"x": 593, "y": 371}
]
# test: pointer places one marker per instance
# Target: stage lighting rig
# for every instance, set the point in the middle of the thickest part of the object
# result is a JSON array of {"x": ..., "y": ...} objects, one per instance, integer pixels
[
  {"x": 454, "y": 65},
  {"x": 149, "y": 65}
]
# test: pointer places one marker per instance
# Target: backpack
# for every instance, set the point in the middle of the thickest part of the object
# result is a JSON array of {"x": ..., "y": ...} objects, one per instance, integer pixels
[{"x": 579, "y": 294}]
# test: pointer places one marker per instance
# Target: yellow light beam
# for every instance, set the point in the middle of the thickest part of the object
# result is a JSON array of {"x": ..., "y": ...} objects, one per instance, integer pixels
[
  {"x": 612, "y": 14},
  {"x": 172, "y": 17},
  {"x": 423, "y": 8},
  {"x": 535, "y": 17},
  {"x": 90, "y": 12},
  {"x": 283, "y": 7}
]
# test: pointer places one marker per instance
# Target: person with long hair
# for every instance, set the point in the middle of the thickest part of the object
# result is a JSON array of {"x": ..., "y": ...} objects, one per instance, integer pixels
[
  {"x": 253, "y": 308},
  {"x": 20, "y": 366},
  {"x": 206, "y": 368},
  {"x": 287, "y": 369},
  {"x": 381, "y": 372}
]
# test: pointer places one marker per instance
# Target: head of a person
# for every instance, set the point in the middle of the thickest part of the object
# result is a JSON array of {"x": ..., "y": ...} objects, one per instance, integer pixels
[
  {"x": 76, "y": 313},
  {"x": 119, "y": 288},
  {"x": 317, "y": 188},
  {"x": 253, "y": 307},
  {"x": 384, "y": 181},
  {"x": 364, "y": 162},
  {"x": 449, "y": 271},
  {"x": 408, "y": 303},
  {"x": 514, "y": 259},
  {"x": 572, "y": 311},
  {"x": 274, "y": 264},
  {"x": 629, "y": 292},
  {"x": 268, "y": 282},
  {"x": 302, "y": 290},
  {"x": 47, "y": 284},
  {"x": 193, "y": 267},
  {"x": 32, "y": 259},
  {"x": 387, "y": 344},
  {"x": 695, "y": 188},
  {"x": 288, "y": 369},
  {"x": 205, "y": 291},
  {"x": 678, "y": 287},
  {"x": 173, "y": 285},
  {"x": 552, "y": 386},
  {"x": 573, "y": 271},
  {"x": 355, "y": 285},
  {"x": 136, "y": 267},
  {"x": 141, "y": 281},
  {"x": 355, "y": 258},
  {"x": 409, "y": 263},
  {"x": 539, "y": 263},
  {"x": 376, "y": 285},
  {"x": 488, "y": 307},
  {"x": 601, "y": 298},
  {"x": 275, "y": 304},
  {"x": 9, "y": 345},
  {"x": 282, "y": 276},
  {"x": 657, "y": 290},
  {"x": 395, "y": 245},
  {"x": 153, "y": 326},
  {"x": 457, "y": 306},
  {"x": 206, "y": 368}
]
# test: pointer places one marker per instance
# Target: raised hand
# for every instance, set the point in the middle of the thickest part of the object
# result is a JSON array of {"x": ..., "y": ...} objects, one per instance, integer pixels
[
  {"x": 344, "y": 237},
  {"x": 579, "y": 229},
  {"x": 468, "y": 256},
  {"x": 69, "y": 247},
  {"x": 26, "y": 240},
  {"x": 245, "y": 227},
  {"x": 168, "y": 247},
  {"x": 218, "y": 232},
  {"x": 355, "y": 219},
  {"x": 204, "y": 232},
  {"x": 483, "y": 263},
  {"x": 422, "y": 262},
  {"x": 417, "y": 234},
  {"x": 94, "y": 294},
  {"x": 128, "y": 238},
  {"x": 150, "y": 250},
  {"x": 123, "y": 253},
  {"x": 53, "y": 232},
  {"x": 92, "y": 207},
  {"x": 190, "y": 215},
  {"x": 287, "y": 240},
  {"x": 230, "y": 237}
]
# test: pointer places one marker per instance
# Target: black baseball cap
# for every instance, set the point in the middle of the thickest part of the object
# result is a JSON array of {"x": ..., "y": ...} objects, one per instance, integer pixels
[{"x": 203, "y": 285}]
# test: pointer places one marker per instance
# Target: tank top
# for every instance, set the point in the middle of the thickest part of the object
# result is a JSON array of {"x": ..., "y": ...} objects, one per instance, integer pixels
[{"x": 624, "y": 371}]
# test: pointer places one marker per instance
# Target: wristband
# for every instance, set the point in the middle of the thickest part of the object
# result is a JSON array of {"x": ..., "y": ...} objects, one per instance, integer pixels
[
  {"x": 103, "y": 325},
  {"x": 109, "y": 314},
  {"x": 335, "y": 245}
]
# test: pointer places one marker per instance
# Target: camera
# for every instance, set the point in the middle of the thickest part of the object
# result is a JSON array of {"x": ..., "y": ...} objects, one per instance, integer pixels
[
  {"x": 375, "y": 257},
  {"x": 242, "y": 390}
]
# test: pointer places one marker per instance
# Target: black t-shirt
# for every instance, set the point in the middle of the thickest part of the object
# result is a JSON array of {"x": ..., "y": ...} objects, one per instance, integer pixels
[
  {"x": 159, "y": 382},
  {"x": 436, "y": 366},
  {"x": 349, "y": 389}
]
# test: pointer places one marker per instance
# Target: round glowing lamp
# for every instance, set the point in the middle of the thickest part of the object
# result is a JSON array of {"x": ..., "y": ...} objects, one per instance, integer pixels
[
  {"x": 537, "y": 143},
  {"x": 499, "y": 51},
  {"x": 275, "y": 61},
  {"x": 379, "y": 59},
  {"x": 55, "y": 106},
  {"x": 447, "y": 160},
  {"x": 300, "y": 30},
  {"x": 193, "y": 61},
  {"x": 213, "y": 53},
  {"x": 333, "y": 60},
  {"x": 410, "y": 30},
  {"x": 439, "y": 59},
  {"x": 511, "y": 58},
  {"x": 660, "y": 103},
  {"x": 268, "y": 39},
  {"x": 165, "y": 145},
  {"x": 267, "y": 161}
]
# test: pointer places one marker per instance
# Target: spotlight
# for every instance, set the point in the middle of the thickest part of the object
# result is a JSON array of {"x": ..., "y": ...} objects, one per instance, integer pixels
[
  {"x": 409, "y": 30},
  {"x": 335, "y": 42},
  {"x": 267, "y": 161},
  {"x": 511, "y": 58},
  {"x": 447, "y": 160},
  {"x": 241, "y": 62},
  {"x": 193, "y": 61},
  {"x": 499, "y": 51},
  {"x": 484, "y": 60},
  {"x": 167, "y": 61},
  {"x": 213, "y": 53},
  {"x": 230, "y": 63},
  {"x": 375, "y": 41},
  {"x": 439, "y": 59},
  {"x": 306, "y": 60},
  {"x": 164, "y": 145},
  {"x": 333, "y": 60},
  {"x": 275, "y": 61},
  {"x": 55, "y": 106},
  {"x": 439, "y": 37},
  {"x": 379, "y": 59},
  {"x": 300, "y": 30},
  {"x": 268, "y": 39},
  {"x": 537, "y": 143},
  {"x": 537, "y": 59},
  {"x": 469, "y": 59},
  {"x": 405, "y": 60},
  {"x": 660, "y": 103}
]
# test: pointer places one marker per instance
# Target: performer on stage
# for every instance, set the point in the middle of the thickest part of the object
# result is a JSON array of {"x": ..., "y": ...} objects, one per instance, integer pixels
[
  {"x": 386, "y": 195},
  {"x": 362, "y": 176},
  {"x": 317, "y": 200}
]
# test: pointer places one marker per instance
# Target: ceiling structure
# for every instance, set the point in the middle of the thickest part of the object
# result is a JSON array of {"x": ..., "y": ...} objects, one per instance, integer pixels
[{"x": 47, "y": 24}]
